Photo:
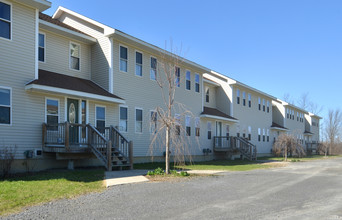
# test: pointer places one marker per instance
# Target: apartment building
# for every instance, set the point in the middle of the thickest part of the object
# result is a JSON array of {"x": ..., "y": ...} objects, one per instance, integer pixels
[{"x": 73, "y": 90}]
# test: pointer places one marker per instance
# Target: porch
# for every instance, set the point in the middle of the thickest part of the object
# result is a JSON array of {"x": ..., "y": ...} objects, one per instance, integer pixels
[
  {"x": 231, "y": 144},
  {"x": 107, "y": 143}
]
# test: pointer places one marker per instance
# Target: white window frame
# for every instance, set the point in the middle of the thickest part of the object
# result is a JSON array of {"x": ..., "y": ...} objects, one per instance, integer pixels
[
  {"x": 10, "y": 106},
  {"x": 101, "y": 106},
  {"x": 120, "y": 45},
  {"x": 249, "y": 100},
  {"x": 243, "y": 98},
  {"x": 178, "y": 122},
  {"x": 263, "y": 105},
  {"x": 156, "y": 122},
  {"x": 268, "y": 106},
  {"x": 123, "y": 106},
  {"x": 43, "y": 33},
  {"x": 198, "y": 83},
  {"x": 197, "y": 126},
  {"x": 211, "y": 128},
  {"x": 259, "y": 104},
  {"x": 80, "y": 52},
  {"x": 9, "y": 21},
  {"x": 238, "y": 101},
  {"x": 186, "y": 80},
  {"x": 187, "y": 125},
  {"x": 156, "y": 69},
  {"x": 142, "y": 62},
  {"x": 142, "y": 119},
  {"x": 177, "y": 78},
  {"x": 59, "y": 105},
  {"x": 207, "y": 92}
]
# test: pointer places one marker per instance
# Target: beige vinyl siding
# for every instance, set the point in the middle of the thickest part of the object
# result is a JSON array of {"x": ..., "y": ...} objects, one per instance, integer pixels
[
  {"x": 142, "y": 92},
  {"x": 57, "y": 53},
  {"x": 99, "y": 51},
  {"x": 16, "y": 69},
  {"x": 295, "y": 127},
  {"x": 278, "y": 113}
]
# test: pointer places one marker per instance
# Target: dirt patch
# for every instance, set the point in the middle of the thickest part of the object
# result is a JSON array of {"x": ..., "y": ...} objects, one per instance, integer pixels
[
  {"x": 277, "y": 164},
  {"x": 171, "y": 178}
]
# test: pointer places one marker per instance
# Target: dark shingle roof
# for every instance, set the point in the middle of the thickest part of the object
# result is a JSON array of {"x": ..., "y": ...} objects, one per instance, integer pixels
[
  {"x": 49, "y": 19},
  {"x": 57, "y": 80},
  {"x": 307, "y": 132},
  {"x": 216, "y": 112},
  {"x": 275, "y": 125}
]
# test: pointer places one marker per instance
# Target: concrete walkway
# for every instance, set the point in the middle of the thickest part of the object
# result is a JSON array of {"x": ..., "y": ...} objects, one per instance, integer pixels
[{"x": 113, "y": 178}]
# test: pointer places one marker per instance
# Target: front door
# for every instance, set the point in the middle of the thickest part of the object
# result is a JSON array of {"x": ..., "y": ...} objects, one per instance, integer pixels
[
  {"x": 219, "y": 133},
  {"x": 72, "y": 118}
]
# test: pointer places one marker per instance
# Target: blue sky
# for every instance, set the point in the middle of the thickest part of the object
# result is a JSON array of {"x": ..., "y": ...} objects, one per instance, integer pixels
[{"x": 279, "y": 47}]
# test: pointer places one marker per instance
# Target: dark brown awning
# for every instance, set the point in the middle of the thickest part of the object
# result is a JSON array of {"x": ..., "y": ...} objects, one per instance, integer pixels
[{"x": 217, "y": 113}]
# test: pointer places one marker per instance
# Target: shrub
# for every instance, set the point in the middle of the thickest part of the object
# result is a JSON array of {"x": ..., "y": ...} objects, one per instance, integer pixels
[{"x": 6, "y": 160}]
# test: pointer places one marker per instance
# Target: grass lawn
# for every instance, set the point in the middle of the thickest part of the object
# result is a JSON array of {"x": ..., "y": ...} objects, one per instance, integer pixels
[
  {"x": 19, "y": 192},
  {"x": 228, "y": 165}
]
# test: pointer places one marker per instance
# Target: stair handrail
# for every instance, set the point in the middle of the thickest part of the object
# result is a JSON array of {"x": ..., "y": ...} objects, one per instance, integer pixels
[{"x": 102, "y": 155}]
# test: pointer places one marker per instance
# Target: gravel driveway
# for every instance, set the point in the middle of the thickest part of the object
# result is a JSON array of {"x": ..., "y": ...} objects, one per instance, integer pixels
[{"x": 302, "y": 190}]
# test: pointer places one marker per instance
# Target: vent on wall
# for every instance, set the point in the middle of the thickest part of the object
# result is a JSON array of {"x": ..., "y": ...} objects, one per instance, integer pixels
[{"x": 39, "y": 153}]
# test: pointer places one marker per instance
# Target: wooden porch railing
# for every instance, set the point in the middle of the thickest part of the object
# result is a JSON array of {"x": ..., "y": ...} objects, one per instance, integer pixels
[{"x": 107, "y": 146}]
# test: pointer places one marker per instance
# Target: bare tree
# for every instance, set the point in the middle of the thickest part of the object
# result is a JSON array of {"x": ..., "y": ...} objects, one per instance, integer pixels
[
  {"x": 304, "y": 101},
  {"x": 333, "y": 126},
  {"x": 288, "y": 144},
  {"x": 170, "y": 131},
  {"x": 287, "y": 98}
]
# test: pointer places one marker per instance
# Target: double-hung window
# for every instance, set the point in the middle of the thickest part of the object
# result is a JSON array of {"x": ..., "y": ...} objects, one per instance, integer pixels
[
  {"x": 153, "y": 122},
  {"x": 100, "y": 119},
  {"x": 263, "y": 105},
  {"x": 259, "y": 134},
  {"x": 188, "y": 80},
  {"x": 197, "y": 126},
  {"x": 177, "y": 76},
  {"x": 259, "y": 102},
  {"x": 268, "y": 135},
  {"x": 197, "y": 83},
  {"x": 244, "y": 98},
  {"x": 238, "y": 96},
  {"x": 123, "y": 119},
  {"x": 268, "y": 106},
  {"x": 153, "y": 71},
  {"x": 5, "y": 20},
  {"x": 5, "y": 106},
  {"x": 41, "y": 47},
  {"x": 177, "y": 123},
  {"x": 123, "y": 59},
  {"x": 249, "y": 100},
  {"x": 207, "y": 95},
  {"x": 138, "y": 120},
  {"x": 249, "y": 133},
  {"x": 74, "y": 56},
  {"x": 187, "y": 125},
  {"x": 52, "y": 111},
  {"x": 263, "y": 134},
  {"x": 138, "y": 63}
]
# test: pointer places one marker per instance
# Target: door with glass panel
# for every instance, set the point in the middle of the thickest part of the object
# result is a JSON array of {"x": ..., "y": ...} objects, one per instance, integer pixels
[{"x": 72, "y": 118}]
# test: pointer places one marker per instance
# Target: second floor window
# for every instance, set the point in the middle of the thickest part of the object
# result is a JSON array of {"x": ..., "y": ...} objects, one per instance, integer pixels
[
  {"x": 41, "y": 47},
  {"x": 5, "y": 20},
  {"x": 123, "y": 59},
  {"x": 177, "y": 76},
  {"x": 197, "y": 83},
  {"x": 238, "y": 96},
  {"x": 123, "y": 119},
  {"x": 153, "y": 71},
  {"x": 244, "y": 98},
  {"x": 259, "y": 102},
  {"x": 207, "y": 95},
  {"x": 249, "y": 100},
  {"x": 138, "y": 64},
  {"x": 268, "y": 106},
  {"x": 74, "y": 56},
  {"x": 188, "y": 80},
  {"x": 263, "y": 105}
]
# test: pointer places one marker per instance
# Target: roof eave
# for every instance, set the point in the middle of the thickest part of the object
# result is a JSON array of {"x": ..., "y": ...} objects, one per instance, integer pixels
[
  {"x": 219, "y": 118},
  {"x": 41, "y": 5}
]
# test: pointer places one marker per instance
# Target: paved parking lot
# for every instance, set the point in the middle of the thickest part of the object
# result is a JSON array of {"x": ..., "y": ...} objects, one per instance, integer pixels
[{"x": 302, "y": 190}]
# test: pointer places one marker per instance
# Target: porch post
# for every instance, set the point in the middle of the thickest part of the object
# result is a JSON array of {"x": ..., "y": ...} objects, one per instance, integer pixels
[
  {"x": 130, "y": 146},
  {"x": 66, "y": 140},
  {"x": 109, "y": 155}
]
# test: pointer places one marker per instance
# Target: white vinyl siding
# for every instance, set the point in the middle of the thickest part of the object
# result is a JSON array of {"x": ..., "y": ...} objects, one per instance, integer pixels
[{"x": 5, "y": 106}]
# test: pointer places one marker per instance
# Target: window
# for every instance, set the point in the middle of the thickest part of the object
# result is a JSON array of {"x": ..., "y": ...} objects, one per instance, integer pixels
[
  {"x": 5, "y": 106},
  {"x": 197, "y": 126},
  {"x": 123, "y": 124},
  {"x": 263, "y": 105},
  {"x": 138, "y": 120},
  {"x": 249, "y": 133},
  {"x": 188, "y": 80},
  {"x": 268, "y": 106},
  {"x": 287, "y": 113},
  {"x": 297, "y": 116},
  {"x": 197, "y": 83},
  {"x": 207, "y": 95},
  {"x": 238, "y": 96},
  {"x": 209, "y": 130},
  {"x": 263, "y": 134},
  {"x": 41, "y": 47},
  {"x": 238, "y": 134},
  {"x": 100, "y": 119},
  {"x": 153, "y": 71},
  {"x": 249, "y": 100},
  {"x": 268, "y": 135},
  {"x": 153, "y": 122},
  {"x": 123, "y": 59},
  {"x": 293, "y": 115},
  {"x": 259, "y": 134},
  {"x": 138, "y": 64},
  {"x": 52, "y": 109},
  {"x": 177, "y": 117},
  {"x": 244, "y": 98},
  {"x": 187, "y": 125},
  {"x": 243, "y": 135},
  {"x": 74, "y": 56},
  {"x": 227, "y": 131},
  {"x": 259, "y": 101},
  {"x": 5, "y": 20},
  {"x": 177, "y": 76}
]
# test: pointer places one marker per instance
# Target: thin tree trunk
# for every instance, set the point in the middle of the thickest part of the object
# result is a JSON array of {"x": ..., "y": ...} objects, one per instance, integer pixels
[
  {"x": 167, "y": 159},
  {"x": 285, "y": 152}
]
